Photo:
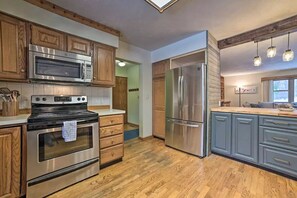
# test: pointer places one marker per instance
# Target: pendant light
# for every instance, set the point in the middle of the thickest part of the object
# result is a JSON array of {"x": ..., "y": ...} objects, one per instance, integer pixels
[
  {"x": 257, "y": 59},
  {"x": 288, "y": 55},
  {"x": 271, "y": 51},
  {"x": 122, "y": 64}
]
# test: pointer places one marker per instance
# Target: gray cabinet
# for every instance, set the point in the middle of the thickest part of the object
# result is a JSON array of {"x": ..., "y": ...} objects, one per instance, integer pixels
[
  {"x": 245, "y": 137},
  {"x": 221, "y": 133}
]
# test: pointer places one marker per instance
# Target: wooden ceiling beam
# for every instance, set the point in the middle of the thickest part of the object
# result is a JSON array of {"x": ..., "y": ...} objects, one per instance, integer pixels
[
  {"x": 263, "y": 33},
  {"x": 73, "y": 16}
]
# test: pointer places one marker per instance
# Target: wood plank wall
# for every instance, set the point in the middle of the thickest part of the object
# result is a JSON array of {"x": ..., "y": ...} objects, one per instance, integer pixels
[{"x": 213, "y": 82}]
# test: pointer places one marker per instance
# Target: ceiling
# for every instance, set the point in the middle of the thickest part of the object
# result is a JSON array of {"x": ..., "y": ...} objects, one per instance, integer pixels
[
  {"x": 143, "y": 26},
  {"x": 238, "y": 60}
]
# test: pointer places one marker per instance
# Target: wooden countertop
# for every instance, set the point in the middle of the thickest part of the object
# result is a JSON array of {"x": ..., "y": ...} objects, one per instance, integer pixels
[{"x": 258, "y": 111}]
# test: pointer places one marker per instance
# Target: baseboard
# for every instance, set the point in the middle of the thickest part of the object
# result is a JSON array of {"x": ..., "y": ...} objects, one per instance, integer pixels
[
  {"x": 146, "y": 138},
  {"x": 136, "y": 125}
]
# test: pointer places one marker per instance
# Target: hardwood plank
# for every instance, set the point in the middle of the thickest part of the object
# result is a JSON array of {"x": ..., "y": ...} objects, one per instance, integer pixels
[
  {"x": 73, "y": 16},
  {"x": 278, "y": 28},
  {"x": 150, "y": 169}
]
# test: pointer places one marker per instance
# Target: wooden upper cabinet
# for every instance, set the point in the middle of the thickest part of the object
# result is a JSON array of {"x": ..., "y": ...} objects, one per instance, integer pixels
[
  {"x": 47, "y": 37},
  {"x": 78, "y": 45},
  {"x": 10, "y": 158},
  {"x": 159, "y": 68},
  {"x": 104, "y": 65},
  {"x": 12, "y": 48}
]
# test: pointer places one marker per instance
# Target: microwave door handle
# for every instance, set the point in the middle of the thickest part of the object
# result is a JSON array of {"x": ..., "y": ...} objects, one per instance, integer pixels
[{"x": 83, "y": 71}]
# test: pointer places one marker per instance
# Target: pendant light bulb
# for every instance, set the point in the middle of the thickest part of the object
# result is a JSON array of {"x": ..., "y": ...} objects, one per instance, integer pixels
[
  {"x": 271, "y": 51},
  {"x": 257, "y": 59},
  {"x": 288, "y": 55},
  {"x": 122, "y": 64}
]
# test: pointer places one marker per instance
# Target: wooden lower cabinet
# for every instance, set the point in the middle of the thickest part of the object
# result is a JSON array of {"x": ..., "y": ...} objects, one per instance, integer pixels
[
  {"x": 10, "y": 162},
  {"x": 111, "y": 138}
]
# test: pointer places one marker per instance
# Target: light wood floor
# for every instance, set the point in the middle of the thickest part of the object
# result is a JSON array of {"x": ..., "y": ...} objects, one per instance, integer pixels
[{"x": 150, "y": 169}]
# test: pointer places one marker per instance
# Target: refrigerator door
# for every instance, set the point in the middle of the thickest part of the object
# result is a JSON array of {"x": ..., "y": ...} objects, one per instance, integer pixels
[
  {"x": 173, "y": 93},
  {"x": 186, "y": 136},
  {"x": 193, "y": 93},
  {"x": 185, "y": 93}
]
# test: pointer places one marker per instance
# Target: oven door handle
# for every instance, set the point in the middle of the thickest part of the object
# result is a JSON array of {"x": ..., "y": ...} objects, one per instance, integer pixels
[{"x": 53, "y": 130}]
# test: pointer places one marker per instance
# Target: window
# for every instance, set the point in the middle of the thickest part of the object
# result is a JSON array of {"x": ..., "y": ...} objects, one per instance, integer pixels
[{"x": 281, "y": 91}]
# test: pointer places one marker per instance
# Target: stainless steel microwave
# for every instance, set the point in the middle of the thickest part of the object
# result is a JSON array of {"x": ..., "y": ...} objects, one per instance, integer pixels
[{"x": 48, "y": 64}]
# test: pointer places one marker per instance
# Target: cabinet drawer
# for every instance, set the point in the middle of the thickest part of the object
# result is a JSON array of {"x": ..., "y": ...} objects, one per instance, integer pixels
[
  {"x": 279, "y": 122},
  {"x": 110, "y": 120},
  {"x": 278, "y": 137},
  {"x": 111, "y": 141},
  {"x": 111, "y": 130},
  {"x": 278, "y": 159},
  {"x": 112, "y": 153}
]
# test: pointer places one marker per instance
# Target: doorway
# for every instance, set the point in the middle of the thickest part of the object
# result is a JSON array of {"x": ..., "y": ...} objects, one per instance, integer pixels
[{"x": 126, "y": 96}]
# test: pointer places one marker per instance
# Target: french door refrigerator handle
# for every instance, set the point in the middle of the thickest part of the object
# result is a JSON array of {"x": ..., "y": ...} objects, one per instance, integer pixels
[
  {"x": 179, "y": 91},
  {"x": 183, "y": 124},
  {"x": 182, "y": 90}
]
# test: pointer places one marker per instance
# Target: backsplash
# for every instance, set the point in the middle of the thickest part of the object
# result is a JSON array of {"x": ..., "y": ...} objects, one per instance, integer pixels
[{"x": 96, "y": 95}]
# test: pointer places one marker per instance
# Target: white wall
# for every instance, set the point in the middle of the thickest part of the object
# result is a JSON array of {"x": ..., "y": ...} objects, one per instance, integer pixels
[
  {"x": 187, "y": 45},
  {"x": 32, "y": 13},
  {"x": 249, "y": 80},
  {"x": 96, "y": 95},
  {"x": 143, "y": 57}
]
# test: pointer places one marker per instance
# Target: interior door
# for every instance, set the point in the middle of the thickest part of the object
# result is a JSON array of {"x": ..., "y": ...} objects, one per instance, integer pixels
[{"x": 120, "y": 95}]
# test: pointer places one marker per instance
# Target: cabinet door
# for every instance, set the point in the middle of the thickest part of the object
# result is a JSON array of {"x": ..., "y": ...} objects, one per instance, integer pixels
[
  {"x": 10, "y": 158},
  {"x": 12, "y": 48},
  {"x": 78, "y": 45},
  {"x": 221, "y": 133},
  {"x": 47, "y": 37},
  {"x": 159, "y": 68},
  {"x": 245, "y": 137},
  {"x": 104, "y": 65},
  {"x": 159, "y": 107}
]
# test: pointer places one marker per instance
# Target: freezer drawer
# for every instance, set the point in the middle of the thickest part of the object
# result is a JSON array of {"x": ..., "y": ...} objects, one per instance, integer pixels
[{"x": 185, "y": 136}]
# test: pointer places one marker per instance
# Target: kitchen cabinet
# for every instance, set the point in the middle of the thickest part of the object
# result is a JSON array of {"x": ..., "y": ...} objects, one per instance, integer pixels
[
  {"x": 278, "y": 144},
  {"x": 12, "y": 49},
  {"x": 221, "y": 133},
  {"x": 104, "y": 65},
  {"x": 245, "y": 137},
  {"x": 111, "y": 138},
  {"x": 10, "y": 158},
  {"x": 78, "y": 45},
  {"x": 159, "y": 70},
  {"x": 47, "y": 37}
]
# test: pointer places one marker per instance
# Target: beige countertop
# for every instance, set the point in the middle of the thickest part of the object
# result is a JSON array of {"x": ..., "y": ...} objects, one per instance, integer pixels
[
  {"x": 22, "y": 118},
  {"x": 258, "y": 111}
]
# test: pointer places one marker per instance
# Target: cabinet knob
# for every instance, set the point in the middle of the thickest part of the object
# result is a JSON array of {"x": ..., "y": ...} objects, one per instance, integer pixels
[
  {"x": 94, "y": 78},
  {"x": 22, "y": 70}
]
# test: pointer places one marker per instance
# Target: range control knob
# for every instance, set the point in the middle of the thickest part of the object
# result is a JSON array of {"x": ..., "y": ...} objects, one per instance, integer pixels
[
  {"x": 83, "y": 99},
  {"x": 44, "y": 99},
  {"x": 37, "y": 99},
  {"x": 78, "y": 99}
]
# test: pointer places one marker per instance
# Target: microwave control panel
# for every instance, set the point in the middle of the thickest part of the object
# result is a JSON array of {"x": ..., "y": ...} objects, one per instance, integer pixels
[{"x": 89, "y": 71}]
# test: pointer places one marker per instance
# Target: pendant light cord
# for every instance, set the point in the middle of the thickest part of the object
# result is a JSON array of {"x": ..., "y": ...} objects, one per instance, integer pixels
[
  {"x": 257, "y": 48},
  {"x": 271, "y": 42},
  {"x": 288, "y": 40}
]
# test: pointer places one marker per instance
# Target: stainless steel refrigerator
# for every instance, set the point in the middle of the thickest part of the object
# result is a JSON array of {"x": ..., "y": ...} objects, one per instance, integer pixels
[{"x": 185, "y": 109}]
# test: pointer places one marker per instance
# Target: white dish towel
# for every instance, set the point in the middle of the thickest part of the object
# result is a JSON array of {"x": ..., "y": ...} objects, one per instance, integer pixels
[{"x": 69, "y": 131}]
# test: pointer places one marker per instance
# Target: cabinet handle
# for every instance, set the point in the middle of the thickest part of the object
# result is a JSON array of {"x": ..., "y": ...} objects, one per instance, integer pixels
[
  {"x": 112, "y": 154},
  {"x": 280, "y": 123},
  {"x": 22, "y": 70},
  {"x": 94, "y": 78},
  {"x": 244, "y": 122},
  {"x": 112, "y": 141},
  {"x": 281, "y": 139},
  {"x": 220, "y": 119},
  {"x": 281, "y": 161},
  {"x": 111, "y": 132}
]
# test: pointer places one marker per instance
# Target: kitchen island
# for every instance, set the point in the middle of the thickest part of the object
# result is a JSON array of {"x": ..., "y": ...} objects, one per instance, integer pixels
[{"x": 263, "y": 137}]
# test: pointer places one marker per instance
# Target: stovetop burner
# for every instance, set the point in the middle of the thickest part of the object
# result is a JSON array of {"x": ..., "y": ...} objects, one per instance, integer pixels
[{"x": 48, "y": 111}]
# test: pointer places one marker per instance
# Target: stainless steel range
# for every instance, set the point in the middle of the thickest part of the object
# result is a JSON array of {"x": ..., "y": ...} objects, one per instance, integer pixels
[{"x": 52, "y": 162}]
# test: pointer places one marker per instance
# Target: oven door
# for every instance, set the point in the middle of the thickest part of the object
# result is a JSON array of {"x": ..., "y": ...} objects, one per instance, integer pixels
[
  {"x": 55, "y": 68},
  {"x": 47, "y": 151}
]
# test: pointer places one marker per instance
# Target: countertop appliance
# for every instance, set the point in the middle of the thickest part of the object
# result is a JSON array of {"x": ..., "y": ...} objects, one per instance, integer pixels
[
  {"x": 46, "y": 64},
  {"x": 52, "y": 163},
  {"x": 185, "y": 109}
]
